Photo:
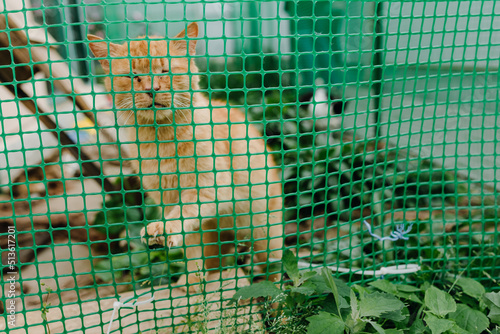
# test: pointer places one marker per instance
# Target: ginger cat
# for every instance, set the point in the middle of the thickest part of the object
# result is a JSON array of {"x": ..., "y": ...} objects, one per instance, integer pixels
[{"x": 200, "y": 159}]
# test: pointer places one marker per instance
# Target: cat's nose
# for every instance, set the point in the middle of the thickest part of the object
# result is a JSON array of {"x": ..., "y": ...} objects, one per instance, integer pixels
[
  {"x": 156, "y": 87},
  {"x": 150, "y": 93}
]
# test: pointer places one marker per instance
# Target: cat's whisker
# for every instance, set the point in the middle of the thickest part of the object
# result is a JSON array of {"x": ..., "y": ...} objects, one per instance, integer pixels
[
  {"x": 184, "y": 102},
  {"x": 181, "y": 105},
  {"x": 128, "y": 118},
  {"x": 181, "y": 97},
  {"x": 168, "y": 118},
  {"x": 177, "y": 115},
  {"x": 124, "y": 104},
  {"x": 185, "y": 116},
  {"x": 107, "y": 122},
  {"x": 181, "y": 110},
  {"x": 120, "y": 117},
  {"x": 180, "y": 102}
]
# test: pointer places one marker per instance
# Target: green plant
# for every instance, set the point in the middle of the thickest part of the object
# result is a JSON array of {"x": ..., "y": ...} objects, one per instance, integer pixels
[
  {"x": 203, "y": 312},
  {"x": 45, "y": 307},
  {"x": 315, "y": 302},
  {"x": 130, "y": 260}
]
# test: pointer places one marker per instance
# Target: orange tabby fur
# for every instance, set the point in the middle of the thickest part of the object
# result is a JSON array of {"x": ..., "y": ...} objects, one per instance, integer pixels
[{"x": 200, "y": 160}]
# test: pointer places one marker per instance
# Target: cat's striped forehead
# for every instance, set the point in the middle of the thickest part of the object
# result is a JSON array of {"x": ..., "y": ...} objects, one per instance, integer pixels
[
  {"x": 147, "y": 64},
  {"x": 144, "y": 54},
  {"x": 148, "y": 48}
]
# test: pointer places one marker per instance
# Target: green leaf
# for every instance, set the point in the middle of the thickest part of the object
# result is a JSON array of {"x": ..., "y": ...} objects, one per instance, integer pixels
[
  {"x": 439, "y": 302},
  {"x": 457, "y": 330},
  {"x": 328, "y": 304},
  {"x": 343, "y": 289},
  {"x": 473, "y": 321},
  {"x": 261, "y": 289},
  {"x": 152, "y": 211},
  {"x": 377, "y": 327},
  {"x": 418, "y": 327},
  {"x": 133, "y": 215},
  {"x": 385, "y": 286},
  {"x": 494, "y": 315},
  {"x": 304, "y": 289},
  {"x": 437, "y": 325},
  {"x": 320, "y": 284},
  {"x": 291, "y": 268},
  {"x": 406, "y": 288},
  {"x": 330, "y": 283},
  {"x": 325, "y": 323},
  {"x": 395, "y": 316},
  {"x": 377, "y": 303},
  {"x": 110, "y": 222},
  {"x": 471, "y": 287},
  {"x": 401, "y": 291},
  {"x": 114, "y": 217},
  {"x": 321, "y": 287},
  {"x": 413, "y": 297},
  {"x": 129, "y": 261},
  {"x": 103, "y": 270},
  {"x": 361, "y": 290},
  {"x": 307, "y": 275},
  {"x": 354, "y": 306},
  {"x": 394, "y": 331},
  {"x": 492, "y": 301},
  {"x": 327, "y": 275}
]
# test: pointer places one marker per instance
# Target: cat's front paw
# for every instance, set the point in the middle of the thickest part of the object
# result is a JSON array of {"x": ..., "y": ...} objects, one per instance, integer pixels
[{"x": 156, "y": 235}]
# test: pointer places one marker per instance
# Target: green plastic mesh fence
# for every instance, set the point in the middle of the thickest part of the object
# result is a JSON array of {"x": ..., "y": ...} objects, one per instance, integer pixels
[{"x": 144, "y": 179}]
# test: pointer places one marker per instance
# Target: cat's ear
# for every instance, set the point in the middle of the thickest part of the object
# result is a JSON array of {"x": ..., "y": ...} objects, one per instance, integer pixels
[
  {"x": 103, "y": 50},
  {"x": 180, "y": 45}
]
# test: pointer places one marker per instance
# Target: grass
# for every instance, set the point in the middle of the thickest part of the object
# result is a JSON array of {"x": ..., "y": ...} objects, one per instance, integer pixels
[{"x": 208, "y": 308}]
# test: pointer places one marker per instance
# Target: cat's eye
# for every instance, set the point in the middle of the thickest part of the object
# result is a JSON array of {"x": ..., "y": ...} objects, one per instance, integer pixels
[
  {"x": 164, "y": 71},
  {"x": 135, "y": 76}
]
